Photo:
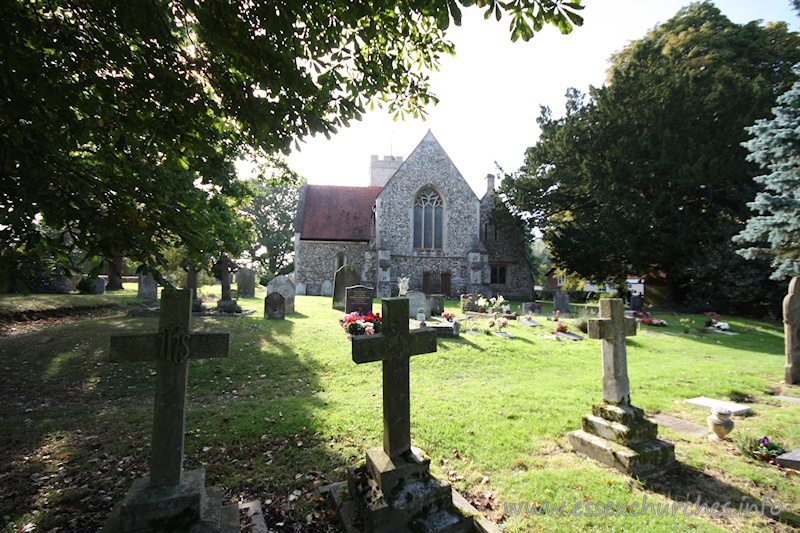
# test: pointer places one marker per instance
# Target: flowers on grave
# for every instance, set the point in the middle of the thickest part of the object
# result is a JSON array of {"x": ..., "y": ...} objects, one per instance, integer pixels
[
  {"x": 447, "y": 315},
  {"x": 501, "y": 322},
  {"x": 561, "y": 327},
  {"x": 721, "y": 326},
  {"x": 498, "y": 301},
  {"x": 402, "y": 285},
  {"x": 762, "y": 448},
  {"x": 483, "y": 304},
  {"x": 357, "y": 324},
  {"x": 652, "y": 321},
  {"x": 711, "y": 318},
  {"x": 640, "y": 314}
]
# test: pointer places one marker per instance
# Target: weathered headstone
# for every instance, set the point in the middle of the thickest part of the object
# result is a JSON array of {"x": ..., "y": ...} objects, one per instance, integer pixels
[
  {"x": 528, "y": 308},
  {"x": 791, "y": 330},
  {"x": 326, "y": 289},
  {"x": 274, "y": 306},
  {"x": 637, "y": 302},
  {"x": 246, "y": 283},
  {"x": 617, "y": 433},
  {"x": 395, "y": 491},
  {"x": 148, "y": 288},
  {"x": 436, "y": 304},
  {"x": 468, "y": 302},
  {"x": 283, "y": 285},
  {"x": 561, "y": 302},
  {"x": 417, "y": 300},
  {"x": 170, "y": 498},
  {"x": 346, "y": 276},
  {"x": 99, "y": 286},
  {"x": 359, "y": 298}
]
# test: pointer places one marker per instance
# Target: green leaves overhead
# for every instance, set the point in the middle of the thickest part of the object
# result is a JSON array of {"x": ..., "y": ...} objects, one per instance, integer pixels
[{"x": 120, "y": 122}]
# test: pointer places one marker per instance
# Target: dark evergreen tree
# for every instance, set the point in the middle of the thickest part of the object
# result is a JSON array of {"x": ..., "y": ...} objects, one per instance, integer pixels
[{"x": 647, "y": 174}]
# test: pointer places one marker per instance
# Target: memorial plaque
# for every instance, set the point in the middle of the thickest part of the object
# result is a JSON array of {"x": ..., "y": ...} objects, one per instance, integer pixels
[{"x": 359, "y": 298}]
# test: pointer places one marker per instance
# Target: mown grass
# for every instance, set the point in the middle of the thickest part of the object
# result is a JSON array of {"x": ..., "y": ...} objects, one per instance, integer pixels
[{"x": 288, "y": 411}]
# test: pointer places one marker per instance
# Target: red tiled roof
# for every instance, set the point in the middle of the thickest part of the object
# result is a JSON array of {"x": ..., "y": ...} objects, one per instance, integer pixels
[{"x": 333, "y": 213}]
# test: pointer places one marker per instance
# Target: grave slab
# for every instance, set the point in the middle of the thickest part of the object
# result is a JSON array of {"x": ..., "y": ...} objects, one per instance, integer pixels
[
  {"x": 790, "y": 459},
  {"x": 569, "y": 336},
  {"x": 681, "y": 426},
  {"x": 788, "y": 399},
  {"x": 504, "y": 334},
  {"x": 706, "y": 404},
  {"x": 530, "y": 323}
]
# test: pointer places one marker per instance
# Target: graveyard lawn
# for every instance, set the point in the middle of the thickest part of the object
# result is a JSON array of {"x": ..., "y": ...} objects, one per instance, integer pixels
[{"x": 288, "y": 411}]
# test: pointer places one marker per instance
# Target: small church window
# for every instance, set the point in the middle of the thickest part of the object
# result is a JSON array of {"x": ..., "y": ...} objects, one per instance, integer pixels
[
  {"x": 428, "y": 220},
  {"x": 341, "y": 260},
  {"x": 498, "y": 274}
]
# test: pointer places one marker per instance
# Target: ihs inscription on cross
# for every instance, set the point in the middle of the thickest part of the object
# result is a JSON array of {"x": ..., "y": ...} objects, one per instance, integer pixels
[
  {"x": 394, "y": 346},
  {"x": 612, "y": 327},
  {"x": 170, "y": 348}
]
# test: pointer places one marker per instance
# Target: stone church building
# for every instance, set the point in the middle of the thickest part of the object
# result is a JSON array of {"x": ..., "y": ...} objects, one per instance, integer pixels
[{"x": 418, "y": 218}]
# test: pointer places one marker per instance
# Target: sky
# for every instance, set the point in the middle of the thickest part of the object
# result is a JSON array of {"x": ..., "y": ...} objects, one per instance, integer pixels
[{"x": 491, "y": 91}]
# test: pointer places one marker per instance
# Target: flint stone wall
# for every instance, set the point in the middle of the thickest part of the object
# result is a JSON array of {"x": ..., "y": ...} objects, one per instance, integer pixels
[{"x": 317, "y": 262}]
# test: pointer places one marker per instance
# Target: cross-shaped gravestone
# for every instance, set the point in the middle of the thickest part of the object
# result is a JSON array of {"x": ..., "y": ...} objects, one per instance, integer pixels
[
  {"x": 394, "y": 346},
  {"x": 171, "y": 348},
  {"x": 612, "y": 327}
]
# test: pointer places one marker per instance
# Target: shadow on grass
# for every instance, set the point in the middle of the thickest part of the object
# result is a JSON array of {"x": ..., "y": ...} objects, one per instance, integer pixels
[
  {"x": 695, "y": 488},
  {"x": 77, "y": 429}
]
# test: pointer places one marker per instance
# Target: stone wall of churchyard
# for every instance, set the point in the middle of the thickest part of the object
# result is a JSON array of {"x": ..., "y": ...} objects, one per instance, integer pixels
[
  {"x": 505, "y": 247},
  {"x": 316, "y": 262},
  {"x": 427, "y": 165}
]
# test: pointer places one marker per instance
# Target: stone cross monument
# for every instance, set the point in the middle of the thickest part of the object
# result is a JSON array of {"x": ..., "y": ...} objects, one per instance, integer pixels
[
  {"x": 394, "y": 347},
  {"x": 612, "y": 327},
  {"x": 617, "y": 433},
  {"x": 170, "y": 496},
  {"x": 791, "y": 329},
  {"x": 395, "y": 490}
]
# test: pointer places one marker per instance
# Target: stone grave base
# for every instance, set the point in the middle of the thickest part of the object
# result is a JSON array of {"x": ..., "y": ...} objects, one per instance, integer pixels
[
  {"x": 190, "y": 505},
  {"x": 228, "y": 306},
  {"x": 620, "y": 436},
  {"x": 387, "y": 495}
]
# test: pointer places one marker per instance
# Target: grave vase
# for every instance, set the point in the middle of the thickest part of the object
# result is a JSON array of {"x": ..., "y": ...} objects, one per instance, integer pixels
[{"x": 720, "y": 423}]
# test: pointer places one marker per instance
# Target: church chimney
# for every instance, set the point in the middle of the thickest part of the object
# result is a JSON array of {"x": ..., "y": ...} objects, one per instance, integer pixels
[{"x": 489, "y": 182}]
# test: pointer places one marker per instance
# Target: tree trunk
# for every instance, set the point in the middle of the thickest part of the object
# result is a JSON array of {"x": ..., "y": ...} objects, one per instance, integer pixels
[
  {"x": 225, "y": 276},
  {"x": 191, "y": 280},
  {"x": 116, "y": 264}
]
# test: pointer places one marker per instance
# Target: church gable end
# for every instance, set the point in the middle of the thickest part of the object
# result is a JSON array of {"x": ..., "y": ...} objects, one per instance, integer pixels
[{"x": 427, "y": 170}]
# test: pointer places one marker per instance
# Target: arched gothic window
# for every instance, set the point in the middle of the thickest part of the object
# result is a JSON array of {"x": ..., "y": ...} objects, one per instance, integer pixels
[{"x": 428, "y": 220}]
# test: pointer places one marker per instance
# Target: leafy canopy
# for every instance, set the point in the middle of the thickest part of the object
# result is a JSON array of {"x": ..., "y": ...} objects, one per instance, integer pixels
[
  {"x": 119, "y": 122},
  {"x": 646, "y": 175}
]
